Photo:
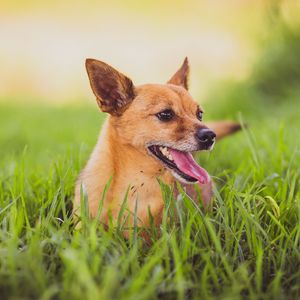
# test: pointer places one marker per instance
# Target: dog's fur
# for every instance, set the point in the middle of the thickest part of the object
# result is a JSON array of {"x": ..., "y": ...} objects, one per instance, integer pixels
[{"x": 132, "y": 125}]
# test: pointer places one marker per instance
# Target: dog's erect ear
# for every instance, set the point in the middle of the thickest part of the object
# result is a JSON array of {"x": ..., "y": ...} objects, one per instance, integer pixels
[
  {"x": 113, "y": 90},
  {"x": 182, "y": 75},
  {"x": 223, "y": 128}
]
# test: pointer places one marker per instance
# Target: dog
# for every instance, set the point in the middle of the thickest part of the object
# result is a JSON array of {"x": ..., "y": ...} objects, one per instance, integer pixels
[{"x": 149, "y": 137}]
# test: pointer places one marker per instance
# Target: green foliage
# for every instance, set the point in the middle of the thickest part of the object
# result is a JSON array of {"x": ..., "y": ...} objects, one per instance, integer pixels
[
  {"x": 277, "y": 72},
  {"x": 248, "y": 246}
]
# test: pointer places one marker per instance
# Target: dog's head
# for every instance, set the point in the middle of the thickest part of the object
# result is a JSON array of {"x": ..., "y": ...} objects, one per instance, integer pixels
[{"x": 161, "y": 120}]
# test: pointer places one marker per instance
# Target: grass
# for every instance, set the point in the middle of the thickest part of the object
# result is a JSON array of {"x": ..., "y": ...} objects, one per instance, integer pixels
[{"x": 247, "y": 247}]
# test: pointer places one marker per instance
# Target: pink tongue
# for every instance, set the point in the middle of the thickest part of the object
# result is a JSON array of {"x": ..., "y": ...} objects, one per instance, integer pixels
[{"x": 186, "y": 163}]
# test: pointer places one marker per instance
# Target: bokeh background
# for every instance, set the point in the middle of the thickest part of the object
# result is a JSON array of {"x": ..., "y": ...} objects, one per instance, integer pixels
[
  {"x": 244, "y": 58},
  {"x": 44, "y": 43},
  {"x": 245, "y": 65}
]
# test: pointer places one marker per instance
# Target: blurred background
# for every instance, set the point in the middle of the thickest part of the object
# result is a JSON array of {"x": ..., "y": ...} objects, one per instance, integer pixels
[
  {"x": 245, "y": 66},
  {"x": 44, "y": 43},
  {"x": 244, "y": 57}
]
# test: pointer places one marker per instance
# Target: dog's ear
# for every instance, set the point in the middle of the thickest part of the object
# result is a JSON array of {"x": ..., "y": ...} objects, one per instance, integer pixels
[
  {"x": 182, "y": 75},
  {"x": 113, "y": 90},
  {"x": 223, "y": 128}
]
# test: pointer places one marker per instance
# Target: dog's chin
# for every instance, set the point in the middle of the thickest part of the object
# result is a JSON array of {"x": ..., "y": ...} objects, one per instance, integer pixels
[{"x": 180, "y": 163}]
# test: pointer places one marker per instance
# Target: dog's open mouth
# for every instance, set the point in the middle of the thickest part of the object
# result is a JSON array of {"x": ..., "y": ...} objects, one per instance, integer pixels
[{"x": 181, "y": 163}]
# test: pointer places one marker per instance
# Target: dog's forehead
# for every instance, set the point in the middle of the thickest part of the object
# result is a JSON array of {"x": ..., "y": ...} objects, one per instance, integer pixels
[{"x": 166, "y": 95}]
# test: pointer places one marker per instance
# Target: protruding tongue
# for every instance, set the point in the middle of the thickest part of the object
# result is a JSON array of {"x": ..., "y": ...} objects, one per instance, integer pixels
[{"x": 186, "y": 164}]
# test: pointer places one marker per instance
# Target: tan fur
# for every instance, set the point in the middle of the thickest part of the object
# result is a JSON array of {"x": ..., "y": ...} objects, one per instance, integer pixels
[{"x": 121, "y": 151}]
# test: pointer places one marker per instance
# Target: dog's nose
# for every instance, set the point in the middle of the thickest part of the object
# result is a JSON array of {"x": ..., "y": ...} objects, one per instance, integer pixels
[{"x": 206, "y": 137}]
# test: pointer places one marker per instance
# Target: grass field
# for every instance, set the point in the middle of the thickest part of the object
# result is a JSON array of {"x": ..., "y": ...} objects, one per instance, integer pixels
[{"x": 248, "y": 246}]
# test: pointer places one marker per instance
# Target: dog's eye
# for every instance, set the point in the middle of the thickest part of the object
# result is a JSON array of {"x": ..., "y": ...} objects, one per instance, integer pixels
[
  {"x": 165, "y": 115},
  {"x": 199, "y": 115}
]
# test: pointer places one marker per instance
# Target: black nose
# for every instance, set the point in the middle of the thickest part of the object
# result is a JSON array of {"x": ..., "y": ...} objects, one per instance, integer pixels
[{"x": 206, "y": 136}]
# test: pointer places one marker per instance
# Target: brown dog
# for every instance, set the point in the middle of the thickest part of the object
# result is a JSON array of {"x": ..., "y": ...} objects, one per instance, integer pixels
[{"x": 151, "y": 132}]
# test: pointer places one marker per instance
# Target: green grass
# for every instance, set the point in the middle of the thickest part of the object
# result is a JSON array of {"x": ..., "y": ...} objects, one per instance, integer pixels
[{"x": 248, "y": 246}]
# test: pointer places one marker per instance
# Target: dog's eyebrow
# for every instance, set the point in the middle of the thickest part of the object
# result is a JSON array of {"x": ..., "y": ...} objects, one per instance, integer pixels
[
  {"x": 199, "y": 108},
  {"x": 147, "y": 108},
  {"x": 158, "y": 106},
  {"x": 164, "y": 101}
]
